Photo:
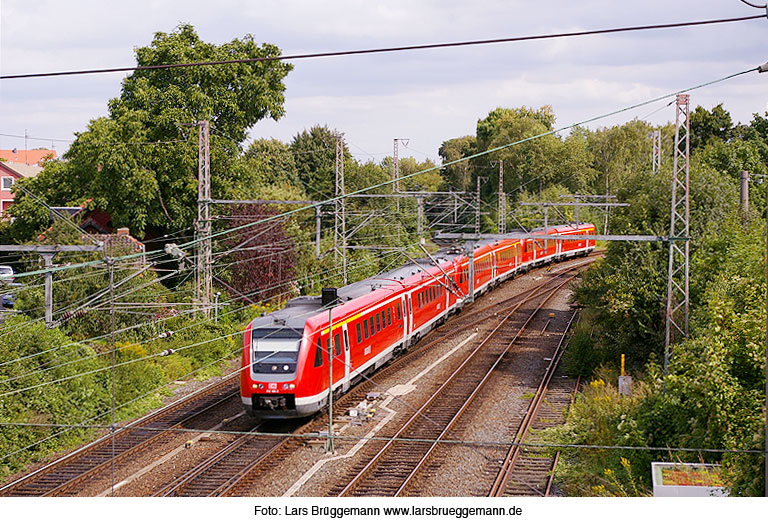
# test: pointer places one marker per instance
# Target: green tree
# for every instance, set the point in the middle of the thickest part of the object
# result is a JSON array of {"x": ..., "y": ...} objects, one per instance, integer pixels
[
  {"x": 709, "y": 125},
  {"x": 272, "y": 162},
  {"x": 314, "y": 152},
  {"x": 135, "y": 164},
  {"x": 457, "y": 176}
]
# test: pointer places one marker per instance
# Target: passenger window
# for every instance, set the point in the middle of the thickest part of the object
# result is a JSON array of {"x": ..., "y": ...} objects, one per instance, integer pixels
[
  {"x": 359, "y": 337},
  {"x": 336, "y": 344},
  {"x": 389, "y": 316},
  {"x": 319, "y": 353},
  {"x": 399, "y": 316},
  {"x": 383, "y": 320},
  {"x": 372, "y": 327},
  {"x": 378, "y": 323},
  {"x": 365, "y": 328}
]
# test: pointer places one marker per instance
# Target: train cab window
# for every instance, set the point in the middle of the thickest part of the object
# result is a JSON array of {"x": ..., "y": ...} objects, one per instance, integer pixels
[
  {"x": 365, "y": 328},
  {"x": 389, "y": 316},
  {"x": 336, "y": 344},
  {"x": 319, "y": 353},
  {"x": 378, "y": 322},
  {"x": 399, "y": 316},
  {"x": 359, "y": 336}
]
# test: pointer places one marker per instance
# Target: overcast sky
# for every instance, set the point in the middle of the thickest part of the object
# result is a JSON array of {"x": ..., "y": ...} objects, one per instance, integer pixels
[{"x": 427, "y": 96}]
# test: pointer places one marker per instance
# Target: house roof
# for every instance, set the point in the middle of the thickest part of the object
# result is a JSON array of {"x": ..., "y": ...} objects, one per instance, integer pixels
[
  {"x": 22, "y": 169},
  {"x": 26, "y": 157}
]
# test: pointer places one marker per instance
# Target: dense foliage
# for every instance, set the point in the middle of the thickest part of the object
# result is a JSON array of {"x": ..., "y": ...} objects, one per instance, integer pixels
[
  {"x": 139, "y": 163},
  {"x": 713, "y": 394}
]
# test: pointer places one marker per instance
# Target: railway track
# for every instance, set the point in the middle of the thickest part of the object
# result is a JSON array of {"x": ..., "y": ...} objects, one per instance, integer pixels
[
  {"x": 528, "y": 471},
  {"x": 397, "y": 462},
  {"x": 67, "y": 475},
  {"x": 531, "y": 472},
  {"x": 234, "y": 465}
]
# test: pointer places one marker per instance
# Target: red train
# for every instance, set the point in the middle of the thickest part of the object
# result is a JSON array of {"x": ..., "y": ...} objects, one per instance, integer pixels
[{"x": 285, "y": 368}]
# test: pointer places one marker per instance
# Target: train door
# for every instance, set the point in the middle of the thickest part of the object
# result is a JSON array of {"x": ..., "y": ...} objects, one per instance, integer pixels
[
  {"x": 410, "y": 314},
  {"x": 402, "y": 315},
  {"x": 347, "y": 359}
]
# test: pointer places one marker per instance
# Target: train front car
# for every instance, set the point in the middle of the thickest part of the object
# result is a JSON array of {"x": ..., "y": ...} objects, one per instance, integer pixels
[{"x": 271, "y": 368}]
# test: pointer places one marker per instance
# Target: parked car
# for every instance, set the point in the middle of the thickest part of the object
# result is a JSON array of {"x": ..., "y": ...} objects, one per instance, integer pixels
[
  {"x": 8, "y": 301},
  {"x": 6, "y": 274}
]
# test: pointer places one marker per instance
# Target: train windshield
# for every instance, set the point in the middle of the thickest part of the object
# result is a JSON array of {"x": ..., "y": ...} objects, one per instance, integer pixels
[{"x": 276, "y": 350}]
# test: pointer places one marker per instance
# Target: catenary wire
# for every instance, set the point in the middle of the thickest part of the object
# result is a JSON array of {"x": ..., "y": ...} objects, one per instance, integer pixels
[{"x": 387, "y": 49}]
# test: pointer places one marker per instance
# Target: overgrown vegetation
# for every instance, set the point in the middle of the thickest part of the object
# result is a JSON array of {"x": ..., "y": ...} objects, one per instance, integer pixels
[{"x": 713, "y": 395}]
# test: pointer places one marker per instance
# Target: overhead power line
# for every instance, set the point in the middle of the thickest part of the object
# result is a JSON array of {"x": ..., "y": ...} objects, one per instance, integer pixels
[
  {"x": 761, "y": 68},
  {"x": 389, "y": 49}
]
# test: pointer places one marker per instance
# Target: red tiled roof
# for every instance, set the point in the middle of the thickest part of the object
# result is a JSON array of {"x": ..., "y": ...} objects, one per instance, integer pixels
[{"x": 29, "y": 157}]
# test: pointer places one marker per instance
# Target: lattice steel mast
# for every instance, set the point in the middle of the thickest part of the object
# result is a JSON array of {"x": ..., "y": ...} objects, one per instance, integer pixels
[
  {"x": 677, "y": 284},
  {"x": 502, "y": 198},
  {"x": 203, "y": 270},
  {"x": 656, "y": 157},
  {"x": 340, "y": 212}
]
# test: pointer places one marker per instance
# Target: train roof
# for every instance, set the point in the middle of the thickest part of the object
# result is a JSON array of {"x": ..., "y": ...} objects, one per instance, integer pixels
[{"x": 298, "y": 310}]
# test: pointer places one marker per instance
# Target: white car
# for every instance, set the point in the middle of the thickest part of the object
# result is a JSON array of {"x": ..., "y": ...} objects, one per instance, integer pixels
[{"x": 6, "y": 274}]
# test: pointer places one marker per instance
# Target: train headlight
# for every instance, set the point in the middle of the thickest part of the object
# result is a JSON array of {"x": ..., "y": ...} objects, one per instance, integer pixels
[
  {"x": 286, "y": 367},
  {"x": 274, "y": 368},
  {"x": 289, "y": 386}
]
